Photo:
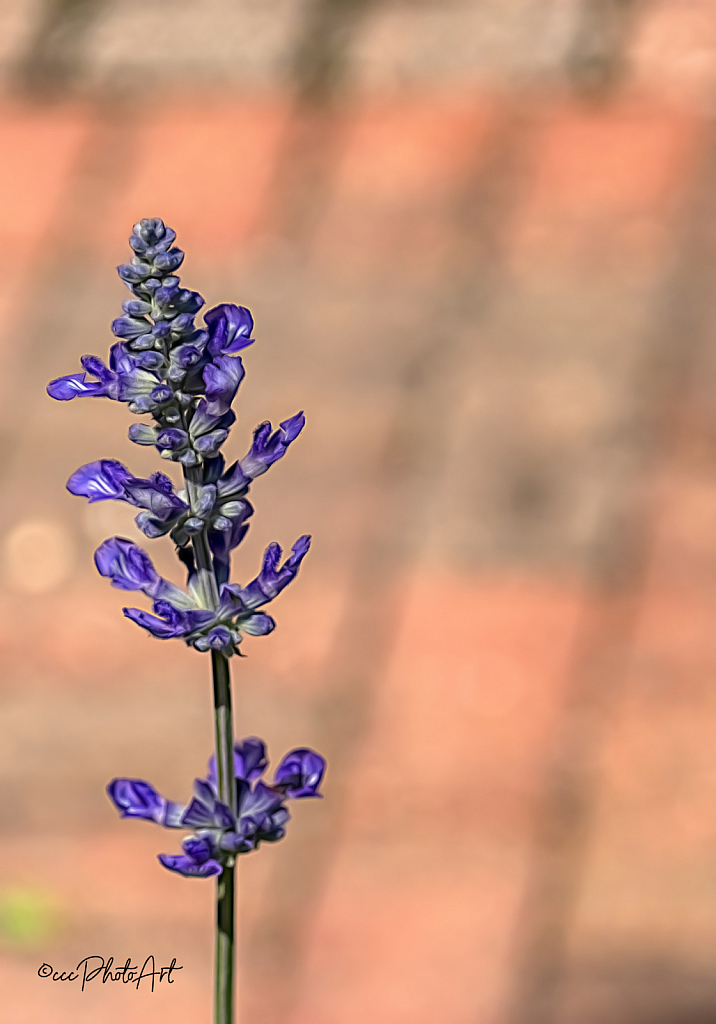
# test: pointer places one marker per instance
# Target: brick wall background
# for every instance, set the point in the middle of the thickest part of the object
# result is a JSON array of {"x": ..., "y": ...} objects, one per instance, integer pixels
[{"x": 479, "y": 243}]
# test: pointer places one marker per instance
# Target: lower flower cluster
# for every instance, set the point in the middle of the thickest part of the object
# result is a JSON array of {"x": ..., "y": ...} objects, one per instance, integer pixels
[{"x": 219, "y": 834}]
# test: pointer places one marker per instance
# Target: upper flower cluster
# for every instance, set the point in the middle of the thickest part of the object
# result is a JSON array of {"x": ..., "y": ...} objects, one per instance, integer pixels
[
  {"x": 185, "y": 377},
  {"x": 219, "y": 833}
]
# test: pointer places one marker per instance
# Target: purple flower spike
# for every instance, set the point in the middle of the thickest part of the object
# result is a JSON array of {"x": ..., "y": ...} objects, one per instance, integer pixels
[
  {"x": 182, "y": 378},
  {"x": 300, "y": 773}
]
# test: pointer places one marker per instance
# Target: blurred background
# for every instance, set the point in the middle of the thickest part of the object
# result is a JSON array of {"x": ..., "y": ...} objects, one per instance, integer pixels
[{"x": 479, "y": 241}]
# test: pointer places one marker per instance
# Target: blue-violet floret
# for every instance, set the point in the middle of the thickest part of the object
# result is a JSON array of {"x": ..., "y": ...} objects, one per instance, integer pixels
[
  {"x": 185, "y": 615},
  {"x": 219, "y": 834}
]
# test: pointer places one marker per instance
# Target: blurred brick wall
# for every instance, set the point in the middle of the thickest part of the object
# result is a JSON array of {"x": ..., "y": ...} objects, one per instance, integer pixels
[{"x": 478, "y": 240}]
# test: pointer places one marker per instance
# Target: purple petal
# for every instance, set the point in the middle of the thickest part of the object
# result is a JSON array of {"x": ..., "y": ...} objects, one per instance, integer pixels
[
  {"x": 221, "y": 379},
  {"x": 64, "y": 389},
  {"x": 197, "y": 815},
  {"x": 205, "y": 811},
  {"x": 99, "y": 481},
  {"x": 157, "y": 627},
  {"x": 233, "y": 481},
  {"x": 300, "y": 773},
  {"x": 188, "y": 867},
  {"x": 157, "y": 496},
  {"x": 134, "y": 273},
  {"x": 260, "y": 800},
  {"x": 239, "y": 842},
  {"x": 174, "y": 622},
  {"x": 96, "y": 366},
  {"x": 209, "y": 444},
  {"x": 121, "y": 361},
  {"x": 218, "y": 638},
  {"x": 293, "y": 426},
  {"x": 171, "y": 439},
  {"x": 268, "y": 447},
  {"x": 205, "y": 420},
  {"x": 127, "y": 566},
  {"x": 197, "y": 848},
  {"x": 230, "y": 602},
  {"x": 168, "y": 261},
  {"x": 230, "y": 328},
  {"x": 131, "y": 568},
  {"x": 272, "y": 579},
  {"x": 250, "y": 761},
  {"x": 223, "y": 542},
  {"x": 135, "y": 798}
]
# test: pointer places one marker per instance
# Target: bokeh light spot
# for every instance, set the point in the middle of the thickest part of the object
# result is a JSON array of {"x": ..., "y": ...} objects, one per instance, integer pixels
[
  {"x": 27, "y": 916},
  {"x": 38, "y": 556}
]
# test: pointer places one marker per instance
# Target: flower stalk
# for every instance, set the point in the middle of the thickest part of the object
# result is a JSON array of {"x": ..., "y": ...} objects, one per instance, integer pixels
[
  {"x": 185, "y": 378},
  {"x": 226, "y": 882}
]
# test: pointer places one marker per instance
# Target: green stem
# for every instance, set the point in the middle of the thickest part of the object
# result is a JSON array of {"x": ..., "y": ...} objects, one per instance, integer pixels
[
  {"x": 225, "y": 913},
  {"x": 224, "y": 743},
  {"x": 224, "y": 970}
]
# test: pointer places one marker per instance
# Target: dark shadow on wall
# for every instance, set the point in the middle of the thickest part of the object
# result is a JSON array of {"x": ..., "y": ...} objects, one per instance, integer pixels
[
  {"x": 597, "y": 62},
  {"x": 649, "y": 991},
  {"x": 665, "y": 426},
  {"x": 321, "y": 65},
  {"x": 318, "y": 77},
  {"x": 479, "y": 216},
  {"x": 54, "y": 59}
]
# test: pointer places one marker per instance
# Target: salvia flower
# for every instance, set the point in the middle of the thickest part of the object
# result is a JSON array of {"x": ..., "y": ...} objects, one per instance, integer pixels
[
  {"x": 217, "y": 833},
  {"x": 182, "y": 378},
  {"x": 163, "y": 364},
  {"x": 107, "y": 478},
  {"x": 185, "y": 378},
  {"x": 185, "y": 615}
]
